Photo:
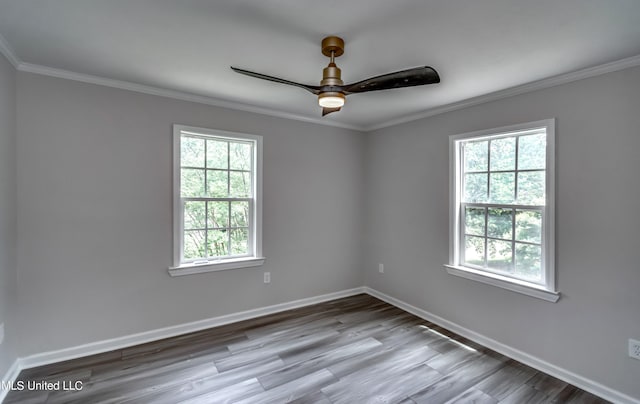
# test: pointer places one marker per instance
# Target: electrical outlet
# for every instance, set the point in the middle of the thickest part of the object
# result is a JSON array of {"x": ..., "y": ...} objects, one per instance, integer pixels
[
  {"x": 381, "y": 268},
  {"x": 1, "y": 333},
  {"x": 634, "y": 348},
  {"x": 267, "y": 277}
]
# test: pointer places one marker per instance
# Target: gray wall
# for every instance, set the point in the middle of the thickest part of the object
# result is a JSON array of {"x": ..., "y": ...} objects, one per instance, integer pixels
[
  {"x": 8, "y": 276},
  {"x": 95, "y": 225},
  {"x": 597, "y": 233}
]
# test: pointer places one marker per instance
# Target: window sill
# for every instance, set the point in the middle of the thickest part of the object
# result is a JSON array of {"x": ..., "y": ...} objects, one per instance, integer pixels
[
  {"x": 514, "y": 285},
  {"x": 212, "y": 266}
]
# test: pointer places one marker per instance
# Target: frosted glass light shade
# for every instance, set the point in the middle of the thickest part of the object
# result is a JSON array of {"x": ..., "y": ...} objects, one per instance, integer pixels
[{"x": 331, "y": 100}]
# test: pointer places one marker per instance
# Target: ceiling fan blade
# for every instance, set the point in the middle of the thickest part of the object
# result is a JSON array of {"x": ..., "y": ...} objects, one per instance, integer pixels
[
  {"x": 326, "y": 111},
  {"x": 417, "y": 76},
  {"x": 311, "y": 89}
]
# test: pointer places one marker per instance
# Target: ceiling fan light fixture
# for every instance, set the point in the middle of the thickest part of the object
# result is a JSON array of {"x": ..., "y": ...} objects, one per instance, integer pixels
[{"x": 331, "y": 100}]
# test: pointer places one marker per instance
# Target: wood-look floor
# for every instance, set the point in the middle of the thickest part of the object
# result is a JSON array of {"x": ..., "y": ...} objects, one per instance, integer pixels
[{"x": 353, "y": 350}]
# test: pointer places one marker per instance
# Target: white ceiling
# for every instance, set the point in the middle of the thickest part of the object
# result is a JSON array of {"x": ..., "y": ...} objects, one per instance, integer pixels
[{"x": 479, "y": 47}]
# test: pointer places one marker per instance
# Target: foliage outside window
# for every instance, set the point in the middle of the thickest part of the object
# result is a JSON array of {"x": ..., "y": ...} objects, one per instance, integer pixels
[
  {"x": 216, "y": 212},
  {"x": 502, "y": 213}
]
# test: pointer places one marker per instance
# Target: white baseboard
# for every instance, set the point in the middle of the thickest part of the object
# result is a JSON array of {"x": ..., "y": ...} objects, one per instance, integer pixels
[
  {"x": 167, "y": 332},
  {"x": 536, "y": 363}
]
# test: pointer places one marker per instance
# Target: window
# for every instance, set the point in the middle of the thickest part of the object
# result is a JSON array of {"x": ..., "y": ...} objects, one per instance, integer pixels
[
  {"x": 217, "y": 200},
  {"x": 502, "y": 208}
]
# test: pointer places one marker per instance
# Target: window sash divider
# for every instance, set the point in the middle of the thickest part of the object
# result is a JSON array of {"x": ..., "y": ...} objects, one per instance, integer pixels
[{"x": 502, "y": 206}]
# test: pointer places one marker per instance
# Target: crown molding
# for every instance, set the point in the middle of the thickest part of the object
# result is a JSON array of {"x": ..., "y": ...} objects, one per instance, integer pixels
[
  {"x": 8, "y": 52},
  {"x": 510, "y": 92},
  {"x": 184, "y": 96},
  {"x": 178, "y": 95}
]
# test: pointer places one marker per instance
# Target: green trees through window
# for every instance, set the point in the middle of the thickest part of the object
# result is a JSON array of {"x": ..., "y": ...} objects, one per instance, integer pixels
[
  {"x": 216, "y": 194},
  {"x": 503, "y": 202}
]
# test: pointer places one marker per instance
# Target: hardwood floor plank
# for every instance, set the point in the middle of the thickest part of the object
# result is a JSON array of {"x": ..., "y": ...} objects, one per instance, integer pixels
[
  {"x": 573, "y": 395},
  {"x": 320, "y": 361},
  {"x": 548, "y": 384},
  {"x": 473, "y": 396},
  {"x": 274, "y": 350},
  {"x": 506, "y": 380},
  {"x": 134, "y": 385},
  {"x": 448, "y": 362},
  {"x": 26, "y": 397},
  {"x": 457, "y": 382},
  {"x": 294, "y": 390},
  {"x": 526, "y": 394},
  {"x": 207, "y": 386},
  {"x": 381, "y": 387},
  {"x": 278, "y": 336},
  {"x": 229, "y": 394},
  {"x": 317, "y": 397}
]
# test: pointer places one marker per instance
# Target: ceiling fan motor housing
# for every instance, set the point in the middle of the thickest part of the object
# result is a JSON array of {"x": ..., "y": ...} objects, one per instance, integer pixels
[{"x": 331, "y": 77}]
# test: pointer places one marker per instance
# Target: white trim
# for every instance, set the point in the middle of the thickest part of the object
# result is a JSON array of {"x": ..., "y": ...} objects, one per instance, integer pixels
[
  {"x": 610, "y": 67},
  {"x": 9, "y": 53},
  {"x": 255, "y": 232},
  {"x": 10, "y": 376},
  {"x": 175, "y": 198},
  {"x": 175, "y": 94},
  {"x": 547, "y": 289},
  {"x": 212, "y": 266},
  {"x": 97, "y": 347},
  {"x": 513, "y": 353},
  {"x": 514, "y": 285},
  {"x": 184, "y": 96}
]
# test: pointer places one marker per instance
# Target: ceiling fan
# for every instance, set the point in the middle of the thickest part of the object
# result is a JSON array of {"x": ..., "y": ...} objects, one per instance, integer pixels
[{"x": 332, "y": 91}]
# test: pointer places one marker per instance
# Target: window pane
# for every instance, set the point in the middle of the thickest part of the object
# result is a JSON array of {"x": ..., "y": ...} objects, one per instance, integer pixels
[
  {"x": 499, "y": 255},
  {"x": 239, "y": 241},
  {"x": 218, "y": 243},
  {"x": 529, "y": 226},
  {"x": 217, "y": 183},
  {"x": 218, "y": 214},
  {"x": 192, "y": 182},
  {"x": 475, "y": 187},
  {"x": 194, "y": 241},
  {"x": 474, "y": 250},
  {"x": 502, "y": 187},
  {"x": 503, "y": 154},
  {"x": 476, "y": 156},
  {"x": 528, "y": 261},
  {"x": 240, "y": 183},
  {"x": 217, "y": 154},
  {"x": 240, "y": 156},
  {"x": 194, "y": 215},
  {"x": 531, "y": 188},
  {"x": 474, "y": 221},
  {"x": 532, "y": 152},
  {"x": 239, "y": 214},
  {"x": 499, "y": 223},
  {"x": 191, "y": 152}
]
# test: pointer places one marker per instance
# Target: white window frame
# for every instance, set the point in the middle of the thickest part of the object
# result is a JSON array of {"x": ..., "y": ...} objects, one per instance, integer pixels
[
  {"x": 545, "y": 290},
  {"x": 255, "y": 257}
]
